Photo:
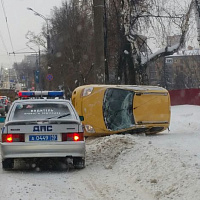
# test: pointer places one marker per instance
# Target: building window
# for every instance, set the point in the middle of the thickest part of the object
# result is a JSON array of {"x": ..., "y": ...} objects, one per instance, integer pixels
[
  {"x": 169, "y": 60},
  {"x": 175, "y": 60}
]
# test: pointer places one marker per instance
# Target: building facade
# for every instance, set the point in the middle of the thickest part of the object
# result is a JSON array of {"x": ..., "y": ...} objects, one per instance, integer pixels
[{"x": 178, "y": 71}]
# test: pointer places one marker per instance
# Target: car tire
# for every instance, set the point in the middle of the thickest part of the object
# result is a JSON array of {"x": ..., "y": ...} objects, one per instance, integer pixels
[
  {"x": 8, "y": 164},
  {"x": 79, "y": 163}
]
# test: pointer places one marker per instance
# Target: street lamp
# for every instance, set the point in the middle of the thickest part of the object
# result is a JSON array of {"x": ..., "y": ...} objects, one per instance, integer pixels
[
  {"x": 47, "y": 24},
  {"x": 48, "y": 40}
]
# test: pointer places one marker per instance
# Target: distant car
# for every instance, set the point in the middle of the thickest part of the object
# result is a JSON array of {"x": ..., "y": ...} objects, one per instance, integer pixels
[
  {"x": 2, "y": 108},
  {"x": 42, "y": 128},
  {"x": 110, "y": 109},
  {"x": 6, "y": 101}
]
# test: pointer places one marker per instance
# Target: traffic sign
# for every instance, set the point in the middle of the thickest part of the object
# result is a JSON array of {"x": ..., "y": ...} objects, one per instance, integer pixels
[
  {"x": 37, "y": 74},
  {"x": 49, "y": 77}
]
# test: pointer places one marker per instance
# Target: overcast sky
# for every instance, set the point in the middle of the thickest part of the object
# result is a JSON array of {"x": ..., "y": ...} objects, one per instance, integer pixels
[{"x": 20, "y": 21}]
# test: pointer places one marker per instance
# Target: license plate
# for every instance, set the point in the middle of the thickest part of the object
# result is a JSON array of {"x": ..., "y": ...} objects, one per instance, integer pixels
[{"x": 43, "y": 138}]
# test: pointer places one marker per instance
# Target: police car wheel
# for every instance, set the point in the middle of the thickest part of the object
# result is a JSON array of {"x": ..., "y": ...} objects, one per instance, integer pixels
[
  {"x": 8, "y": 163},
  {"x": 79, "y": 163}
]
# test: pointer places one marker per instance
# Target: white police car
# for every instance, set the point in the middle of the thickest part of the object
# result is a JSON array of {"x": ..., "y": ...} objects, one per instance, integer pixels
[{"x": 42, "y": 128}]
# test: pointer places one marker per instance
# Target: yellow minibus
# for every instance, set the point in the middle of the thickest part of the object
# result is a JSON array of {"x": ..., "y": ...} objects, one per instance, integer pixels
[{"x": 111, "y": 109}]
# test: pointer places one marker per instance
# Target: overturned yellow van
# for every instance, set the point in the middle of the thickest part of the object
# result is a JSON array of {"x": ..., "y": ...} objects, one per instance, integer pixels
[{"x": 110, "y": 109}]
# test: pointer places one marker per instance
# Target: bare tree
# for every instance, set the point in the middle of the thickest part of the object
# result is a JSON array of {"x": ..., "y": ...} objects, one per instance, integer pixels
[
  {"x": 133, "y": 29},
  {"x": 72, "y": 40}
]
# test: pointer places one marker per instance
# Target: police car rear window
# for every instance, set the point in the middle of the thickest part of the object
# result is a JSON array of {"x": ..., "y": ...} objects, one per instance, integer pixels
[{"x": 41, "y": 111}]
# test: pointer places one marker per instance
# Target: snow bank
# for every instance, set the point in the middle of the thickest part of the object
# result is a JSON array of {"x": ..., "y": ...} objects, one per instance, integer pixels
[
  {"x": 105, "y": 150},
  {"x": 164, "y": 173},
  {"x": 185, "y": 118}
]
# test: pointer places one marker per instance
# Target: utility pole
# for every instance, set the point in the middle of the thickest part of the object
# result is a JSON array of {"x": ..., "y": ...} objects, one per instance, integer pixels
[
  {"x": 197, "y": 16},
  {"x": 40, "y": 74},
  {"x": 99, "y": 65}
]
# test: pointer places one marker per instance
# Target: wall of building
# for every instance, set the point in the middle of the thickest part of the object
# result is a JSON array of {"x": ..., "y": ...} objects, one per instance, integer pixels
[
  {"x": 185, "y": 96},
  {"x": 176, "y": 72}
]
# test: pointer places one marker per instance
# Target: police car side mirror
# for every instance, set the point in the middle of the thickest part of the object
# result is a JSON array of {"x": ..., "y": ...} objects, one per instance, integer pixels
[{"x": 81, "y": 118}]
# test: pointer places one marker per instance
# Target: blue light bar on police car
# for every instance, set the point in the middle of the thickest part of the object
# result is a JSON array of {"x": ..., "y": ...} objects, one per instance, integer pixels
[
  {"x": 40, "y": 93},
  {"x": 55, "y": 94}
]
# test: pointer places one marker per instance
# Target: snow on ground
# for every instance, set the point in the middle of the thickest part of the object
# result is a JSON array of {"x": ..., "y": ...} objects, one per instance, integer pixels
[
  {"x": 164, "y": 166},
  {"x": 132, "y": 167}
]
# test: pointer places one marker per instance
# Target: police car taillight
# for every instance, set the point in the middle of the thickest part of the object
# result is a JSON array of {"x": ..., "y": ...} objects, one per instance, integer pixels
[
  {"x": 72, "y": 137},
  {"x": 12, "y": 138}
]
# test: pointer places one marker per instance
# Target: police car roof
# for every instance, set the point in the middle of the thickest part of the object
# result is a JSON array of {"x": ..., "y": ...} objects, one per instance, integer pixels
[
  {"x": 42, "y": 100},
  {"x": 40, "y": 94}
]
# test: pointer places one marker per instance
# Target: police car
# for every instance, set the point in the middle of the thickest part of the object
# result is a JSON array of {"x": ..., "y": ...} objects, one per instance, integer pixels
[{"x": 42, "y": 128}]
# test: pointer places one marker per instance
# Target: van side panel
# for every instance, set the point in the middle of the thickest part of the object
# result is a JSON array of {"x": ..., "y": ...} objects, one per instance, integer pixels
[{"x": 151, "y": 107}]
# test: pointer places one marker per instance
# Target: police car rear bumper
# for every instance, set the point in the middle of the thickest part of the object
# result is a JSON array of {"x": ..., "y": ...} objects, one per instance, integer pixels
[{"x": 35, "y": 150}]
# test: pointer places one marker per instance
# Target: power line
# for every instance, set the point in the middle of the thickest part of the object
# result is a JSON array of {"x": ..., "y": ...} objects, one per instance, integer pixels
[
  {"x": 25, "y": 48},
  {"x": 6, "y": 19},
  {"x": 34, "y": 52},
  {"x": 4, "y": 45},
  {"x": 2, "y": 40}
]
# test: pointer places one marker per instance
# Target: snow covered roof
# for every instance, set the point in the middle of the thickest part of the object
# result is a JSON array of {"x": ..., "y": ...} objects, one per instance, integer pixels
[
  {"x": 194, "y": 52},
  {"x": 145, "y": 59}
]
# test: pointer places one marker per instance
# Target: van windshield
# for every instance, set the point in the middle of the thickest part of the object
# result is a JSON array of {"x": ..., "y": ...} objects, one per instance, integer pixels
[{"x": 118, "y": 109}]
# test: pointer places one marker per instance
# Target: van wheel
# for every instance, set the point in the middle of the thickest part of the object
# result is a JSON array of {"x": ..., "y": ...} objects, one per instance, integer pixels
[
  {"x": 79, "y": 163},
  {"x": 8, "y": 163}
]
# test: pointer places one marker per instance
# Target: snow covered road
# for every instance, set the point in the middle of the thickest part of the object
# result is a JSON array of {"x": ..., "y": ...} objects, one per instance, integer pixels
[{"x": 122, "y": 167}]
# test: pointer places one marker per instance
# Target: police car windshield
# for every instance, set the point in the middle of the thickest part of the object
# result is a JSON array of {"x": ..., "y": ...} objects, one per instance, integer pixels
[{"x": 32, "y": 111}]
